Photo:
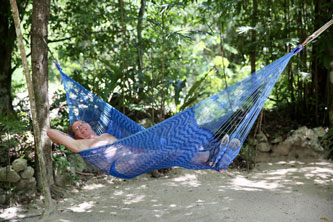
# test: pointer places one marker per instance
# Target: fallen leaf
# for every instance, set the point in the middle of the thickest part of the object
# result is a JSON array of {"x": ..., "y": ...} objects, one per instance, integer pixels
[{"x": 324, "y": 218}]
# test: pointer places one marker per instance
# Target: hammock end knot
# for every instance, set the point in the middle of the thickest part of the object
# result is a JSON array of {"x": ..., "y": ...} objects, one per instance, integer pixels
[
  {"x": 298, "y": 49},
  {"x": 58, "y": 66}
]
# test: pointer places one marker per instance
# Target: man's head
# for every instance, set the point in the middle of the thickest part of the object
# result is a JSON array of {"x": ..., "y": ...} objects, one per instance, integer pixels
[{"x": 82, "y": 130}]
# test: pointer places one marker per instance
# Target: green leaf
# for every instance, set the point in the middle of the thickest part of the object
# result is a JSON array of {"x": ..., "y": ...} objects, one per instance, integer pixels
[
  {"x": 221, "y": 62},
  {"x": 199, "y": 47}
]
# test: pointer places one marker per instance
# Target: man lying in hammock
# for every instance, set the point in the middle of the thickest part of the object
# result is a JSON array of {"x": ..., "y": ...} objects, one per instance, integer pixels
[{"x": 85, "y": 138}]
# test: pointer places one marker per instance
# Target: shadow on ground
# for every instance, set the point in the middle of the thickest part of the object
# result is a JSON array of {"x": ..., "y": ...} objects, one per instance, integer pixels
[{"x": 280, "y": 191}]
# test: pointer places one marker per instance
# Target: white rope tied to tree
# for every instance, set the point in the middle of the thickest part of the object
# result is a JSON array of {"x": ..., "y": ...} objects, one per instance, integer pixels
[{"x": 317, "y": 33}]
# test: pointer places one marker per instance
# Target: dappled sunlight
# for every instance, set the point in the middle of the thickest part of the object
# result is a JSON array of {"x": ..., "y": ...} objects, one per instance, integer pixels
[
  {"x": 142, "y": 187},
  {"x": 291, "y": 162},
  {"x": 188, "y": 180},
  {"x": 132, "y": 199},
  {"x": 198, "y": 194},
  {"x": 281, "y": 172},
  {"x": 12, "y": 212},
  {"x": 202, "y": 172},
  {"x": 83, "y": 207},
  {"x": 93, "y": 186},
  {"x": 242, "y": 183},
  {"x": 118, "y": 193},
  {"x": 284, "y": 176},
  {"x": 319, "y": 175}
]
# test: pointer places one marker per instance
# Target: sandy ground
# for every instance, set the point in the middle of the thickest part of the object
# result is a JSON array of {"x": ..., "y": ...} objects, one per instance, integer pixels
[{"x": 279, "y": 191}]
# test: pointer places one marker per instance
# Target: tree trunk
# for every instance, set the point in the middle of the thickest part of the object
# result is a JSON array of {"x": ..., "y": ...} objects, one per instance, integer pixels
[
  {"x": 140, "y": 44},
  {"x": 320, "y": 66},
  {"x": 39, "y": 63},
  {"x": 300, "y": 105},
  {"x": 49, "y": 204},
  {"x": 139, "y": 31},
  {"x": 8, "y": 37},
  {"x": 163, "y": 68},
  {"x": 122, "y": 52},
  {"x": 254, "y": 37},
  {"x": 330, "y": 96}
]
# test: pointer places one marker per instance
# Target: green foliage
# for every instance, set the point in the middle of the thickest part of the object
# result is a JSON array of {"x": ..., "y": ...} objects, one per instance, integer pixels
[
  {"x": 16, "y": 139},
  {"x": 59, "y": 113},
  {"x": 247, "y": 154},
  {"x": 189, "y": 50},
  {"x": 327, "y": 143},
  {"x": 181, "y": 42}
]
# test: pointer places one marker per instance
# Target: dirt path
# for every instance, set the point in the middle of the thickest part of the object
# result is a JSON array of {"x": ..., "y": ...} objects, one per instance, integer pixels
[{"x": 281, "y": 191}]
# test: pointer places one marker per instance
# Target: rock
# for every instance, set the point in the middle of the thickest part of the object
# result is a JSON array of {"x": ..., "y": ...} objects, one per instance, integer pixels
[
  {"x": 263, "y": 157},
  {"x": 317, "y": 147},
  {"x": 19, "y": 165},
  {"x": 252, "y": 141},
  {"x": 28, "y": 185},
  {"x": 296, "y": 137},
  {"x": 63, "y": 175},
  {"x": 78, "y": 162},
  {"x": 146, "y": 123},
  {"x": 80, "y": 165},
  {"x": 303, "y": 153},
  {"x": 277, "y": 139},
  {"x": 31, "y": 184},
  {"x": 264, "y": 147},
  {"x": 28, "y": 173},
  {"x": 261, "y": 137},
  {"x": 20, "y": 185},
  {"x": 36, "y": 204},
  {"x": 282, "y": 149},
  {"x": 305, "y": 138},
  {"x": 2, "y": 199},
  {"x": 8, "y": 174},
  {"x": 319, "y": 131}
]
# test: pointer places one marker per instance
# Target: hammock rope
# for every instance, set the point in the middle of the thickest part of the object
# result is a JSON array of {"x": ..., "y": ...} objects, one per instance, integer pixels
[
  {"x": 317, "y": 33},
  {"x": 208, "y": 135}
]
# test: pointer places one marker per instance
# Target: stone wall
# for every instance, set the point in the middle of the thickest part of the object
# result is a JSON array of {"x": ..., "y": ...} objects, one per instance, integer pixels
[
  {"x": 16, "y": 180},
  {"x": 302, "y": 143}
]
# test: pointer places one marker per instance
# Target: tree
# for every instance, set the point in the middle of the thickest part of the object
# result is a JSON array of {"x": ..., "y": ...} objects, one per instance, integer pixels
[
  {"x": 128, "y": 46},
  {"x": 39, "y": 63},
  {"x": 40, "y": 18},
  {"x": 330, "y": 97},
  {"x": 7, "y": 46},
  {"x": 322, "y": 55}
]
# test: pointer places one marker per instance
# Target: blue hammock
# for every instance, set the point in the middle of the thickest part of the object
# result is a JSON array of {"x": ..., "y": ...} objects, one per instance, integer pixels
[{"x": 215, "y": 128}]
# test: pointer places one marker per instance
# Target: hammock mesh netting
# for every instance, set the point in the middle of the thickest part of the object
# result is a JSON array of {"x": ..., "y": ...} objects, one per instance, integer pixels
[{"x": 208, "y": 135}]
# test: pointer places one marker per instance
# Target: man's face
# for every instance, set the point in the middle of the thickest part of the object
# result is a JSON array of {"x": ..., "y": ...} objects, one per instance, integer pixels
[{"x": 82, "y": 130}]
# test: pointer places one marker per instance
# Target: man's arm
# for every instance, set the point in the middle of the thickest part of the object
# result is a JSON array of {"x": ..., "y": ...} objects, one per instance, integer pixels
[{"x": 62, "y": 138}]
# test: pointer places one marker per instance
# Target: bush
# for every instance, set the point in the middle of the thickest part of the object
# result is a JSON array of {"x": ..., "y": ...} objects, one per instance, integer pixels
[{"x": 327, "y": 143}]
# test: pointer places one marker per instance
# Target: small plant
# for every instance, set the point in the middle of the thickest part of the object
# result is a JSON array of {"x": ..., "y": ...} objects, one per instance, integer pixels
[
  {"x": 61, "y": 157},
  {"x": 15, "y": 138},
  {"x": 327, "y": 143},
  {"x": 59, "y": 117}
]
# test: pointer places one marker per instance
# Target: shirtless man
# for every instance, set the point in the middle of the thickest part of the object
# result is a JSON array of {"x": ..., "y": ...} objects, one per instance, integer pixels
[{"x": 84, "y": 137}]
